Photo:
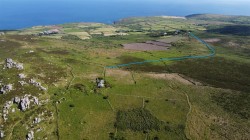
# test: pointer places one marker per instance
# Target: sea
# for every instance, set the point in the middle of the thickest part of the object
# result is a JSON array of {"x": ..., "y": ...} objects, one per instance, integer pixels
[{"x": 19, "y": 14}]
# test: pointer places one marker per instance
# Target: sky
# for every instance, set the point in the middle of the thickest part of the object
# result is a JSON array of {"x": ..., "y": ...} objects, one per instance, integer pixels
[{"x": 193, "y": 2}]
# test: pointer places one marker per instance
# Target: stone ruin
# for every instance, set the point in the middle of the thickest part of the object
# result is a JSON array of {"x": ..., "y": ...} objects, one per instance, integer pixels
[
  {"x": 100, "y": 82},
  {"x": 37, "y": 84},
  {"x": 12, "y": 64},
  {"x": 6, "y": 88}
]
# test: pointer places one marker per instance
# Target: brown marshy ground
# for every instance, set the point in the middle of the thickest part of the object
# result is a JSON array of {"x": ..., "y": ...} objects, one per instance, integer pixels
[{"x": 147, "y": 46}]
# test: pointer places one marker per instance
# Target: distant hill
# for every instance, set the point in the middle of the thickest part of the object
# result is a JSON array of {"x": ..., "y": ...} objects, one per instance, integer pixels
[{"x": 222, "y": 18}]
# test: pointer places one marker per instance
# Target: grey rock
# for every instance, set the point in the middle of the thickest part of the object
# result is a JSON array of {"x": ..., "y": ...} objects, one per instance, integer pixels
[
  {"x": 17, "y": 100},
  {"x": 6, "y": 88},
  {"x": 19, "y": 66},
  {"x": 25, "y": 103},
  {"x": 31, "y": 51},
  {"x": 36, "y": 101},
  {"x": 49, "y": 32},
  {"x": 21, "y": 76},
  {"x": 37, "y": 120},
  {"x": 12, "y": 64},
  {"x": 1, "y": 134},
  {"x": 43, "y": 88},
  {"x": 30, "y": 135},
  {"x": 5, "y": 118},
  {"x": 8, "y": 105},
  {"x": 100, "y": 83},
  {"x": 22, "y": 83},
  {"x": 37, "y": 84}
]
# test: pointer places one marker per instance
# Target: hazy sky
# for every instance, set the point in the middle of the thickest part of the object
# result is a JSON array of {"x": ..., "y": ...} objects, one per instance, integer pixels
[{"x": 226, "y": 2}]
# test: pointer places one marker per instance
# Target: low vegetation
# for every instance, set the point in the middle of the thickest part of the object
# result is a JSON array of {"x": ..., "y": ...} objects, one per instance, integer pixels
[
  {"x": 240, "y": 30},
  {"x": 234, "y": 102},
  {"x": 137, "y": 120}
]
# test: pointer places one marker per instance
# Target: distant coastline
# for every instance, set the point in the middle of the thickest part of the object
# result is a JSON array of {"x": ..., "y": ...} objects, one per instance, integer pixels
[{"x": 25, "y": 14}]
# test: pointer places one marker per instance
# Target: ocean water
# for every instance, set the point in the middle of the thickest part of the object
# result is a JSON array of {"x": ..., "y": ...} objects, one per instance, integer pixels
[{"x": 17, "y": 14}]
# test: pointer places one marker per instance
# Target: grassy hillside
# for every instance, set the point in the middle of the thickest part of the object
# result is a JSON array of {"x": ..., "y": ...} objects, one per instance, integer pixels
[
  {"x": 221, "y": 18},
  {"x": 188, "y": 99}
]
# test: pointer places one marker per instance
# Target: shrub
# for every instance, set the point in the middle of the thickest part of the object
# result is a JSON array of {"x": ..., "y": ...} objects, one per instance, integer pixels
[
  {"x": 71, "y": 105},
  {"x": 137, "y": 120}
]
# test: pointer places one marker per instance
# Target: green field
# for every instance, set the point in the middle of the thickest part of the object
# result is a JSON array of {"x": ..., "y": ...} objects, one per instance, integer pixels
[{"x": 189, "y": 99}]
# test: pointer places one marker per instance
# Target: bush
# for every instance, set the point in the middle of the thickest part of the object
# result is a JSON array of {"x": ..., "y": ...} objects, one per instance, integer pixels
[{"x": 105, "y": 97}]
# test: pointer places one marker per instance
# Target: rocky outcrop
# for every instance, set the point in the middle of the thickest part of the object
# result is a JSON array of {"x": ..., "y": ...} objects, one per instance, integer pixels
[
  {"x": 49, "y": 32},
  {"x": 23, "y": 104},
  {"x": 6, "y": 88},
  {"x": 12, "y": 64}
]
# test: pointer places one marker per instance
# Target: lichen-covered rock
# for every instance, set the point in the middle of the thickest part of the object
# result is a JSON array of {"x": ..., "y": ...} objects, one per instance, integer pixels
[
  {"x": 5, "y": 118},
  {"x": 6, "y": 88},
  {"x": 12, "y": 64},
  {"x": 6, "y": 108},
  {"x": 36, "y": 101},
  {"x": 19, "y": 66},
  {"x": 16, "y": 100},
  {"x": 8, "y": 105},
  {"x": 43, "y": 88},
  {"x": 37, "y": 120},
  {"x": 34, "y": 82},
  {"x": 22, "y": 83},
  {"x": 25, "y": 103},
  {"x": 1, "y": 134},
  {"x": 30, "y": 135},
  {"x": 37, "y": 84},
  {"x": 21, "y": 76}
]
